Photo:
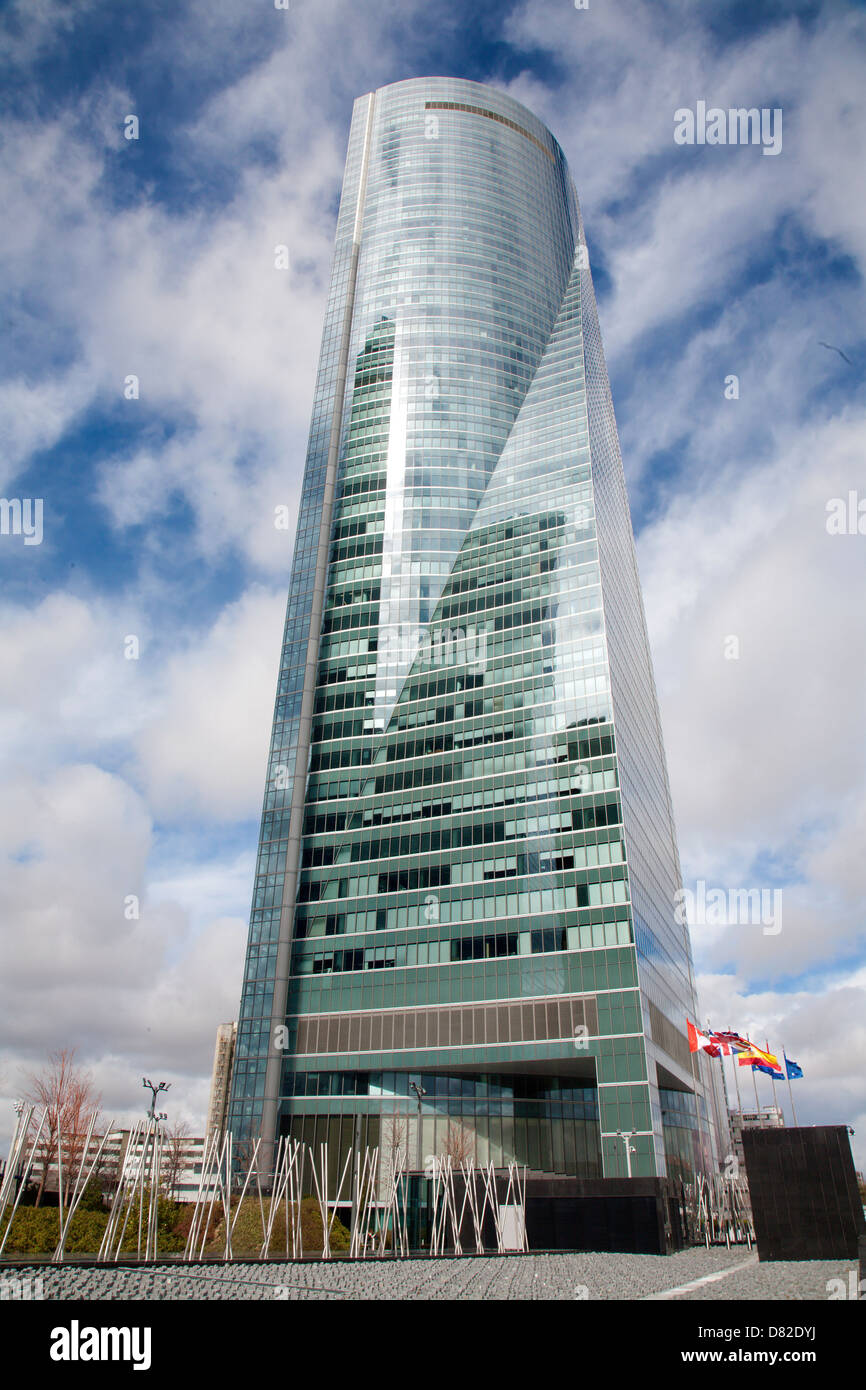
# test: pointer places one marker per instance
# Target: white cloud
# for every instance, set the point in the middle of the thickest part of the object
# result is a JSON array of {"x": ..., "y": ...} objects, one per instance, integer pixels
[
  {"x": 192, "y": 305},
  {"x": 188, "y": 721},
  {"x": 764, "y": 751},
  {"x": 674, "y": 230},
  {"x": 206, "y": 890},
  {"x": 128, "y": 994},
  {"x": 823, "y": 1029},
  {"x": 66, "y": 688},
  {"x": 31, "y": 26},
  {"x": 204, "y": 753},
  {"x": 194, "y": 308},
  {"x": 35, "y": 415}
]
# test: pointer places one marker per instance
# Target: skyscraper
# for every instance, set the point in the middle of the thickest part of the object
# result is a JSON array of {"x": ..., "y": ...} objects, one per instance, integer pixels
[
  {"x": 467, "y": 863},
  {"x": 221, "y": 1080}
]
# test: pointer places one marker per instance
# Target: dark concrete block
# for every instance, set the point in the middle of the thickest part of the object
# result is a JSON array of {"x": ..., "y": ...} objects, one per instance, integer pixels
[{"x": 805, "y": 1200}]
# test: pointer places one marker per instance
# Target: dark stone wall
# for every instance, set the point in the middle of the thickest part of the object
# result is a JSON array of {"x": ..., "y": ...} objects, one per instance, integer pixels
[
  {"x": 805, "y": 1200},
  {"x": 637, "y": 1215}
]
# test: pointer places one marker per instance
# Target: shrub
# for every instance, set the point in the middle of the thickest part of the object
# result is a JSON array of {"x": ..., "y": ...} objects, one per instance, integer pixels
[
  {"x": 85, "y": 1232},
  {"x": 167, "y": 1221},
  {"x": 182, "y": 1225},
  {"x": 35, "y": 1231},
  {"x": 247, "y": 1237},
  {"x": 91, "y": 1197}
]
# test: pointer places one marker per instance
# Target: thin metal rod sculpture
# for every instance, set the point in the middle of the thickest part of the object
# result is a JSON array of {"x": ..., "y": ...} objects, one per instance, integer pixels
[
  {"x": 366, "y": 1185},
  {"x": 392, "y": 1213},
  {"x": 138, "y": 1185},
  {"x": 21, "y": 1136},
  {"x": 379, "y": 1191},
  {"x": 79, "y": 1189},
  {"x": 715, "y": 1208},
  {"x": 23, "y": 1116},
  {"x": 286, "y": 1186},
  {"x": 322, "y": 1196}
]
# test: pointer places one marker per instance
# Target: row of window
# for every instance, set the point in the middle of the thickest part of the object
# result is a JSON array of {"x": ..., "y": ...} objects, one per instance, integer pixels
[
  {"x": 392, "y": 1085},
  {"x": 446, "y": 951},
  {"x": 442, "y": 646},
  {"x": 520, "y": 758},
  {"x": 544, "y": 715},
  {"x": 356, "y": 697},
  {"x": 499, "y": 568},
  {"x": 479, "y": 646},
  {"x": 578, "y": 747},
  {"x": 595, "y": 965},
  {"x": 599, "y": 859},
  {"x": 488, "y": 830},
  {"x": 483, "y": 900},
  {"x": 582, "y": 781}
]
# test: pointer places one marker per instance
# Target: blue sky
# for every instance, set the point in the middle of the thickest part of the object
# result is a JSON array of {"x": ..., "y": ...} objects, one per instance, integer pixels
[{"x": 154, "y": 257}]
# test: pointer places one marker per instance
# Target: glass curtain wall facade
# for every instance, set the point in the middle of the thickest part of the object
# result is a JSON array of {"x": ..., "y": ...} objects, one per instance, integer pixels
[{"x": 467, "y": 865}]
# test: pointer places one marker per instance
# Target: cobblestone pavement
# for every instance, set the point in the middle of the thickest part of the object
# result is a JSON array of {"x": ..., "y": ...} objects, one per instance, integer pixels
[{"x": 542, "y": 1276}]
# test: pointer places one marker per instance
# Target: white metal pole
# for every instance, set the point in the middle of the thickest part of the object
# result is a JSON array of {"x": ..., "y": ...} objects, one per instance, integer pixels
[
  {"x": 80, "y": 1187},
  {"x": 24, "y": 1180},
  {"x": 772, "y": 1080},
  {"x": 736, "y": 1065},
  {"x": 755, "y": 1084},
  {"x": 790, "y": 1092}
]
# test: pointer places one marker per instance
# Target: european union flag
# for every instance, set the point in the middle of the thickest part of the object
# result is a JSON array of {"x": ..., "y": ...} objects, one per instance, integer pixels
[
  {"x": 770, "y": 1071},
  {"x": 793, "y": 1070}
]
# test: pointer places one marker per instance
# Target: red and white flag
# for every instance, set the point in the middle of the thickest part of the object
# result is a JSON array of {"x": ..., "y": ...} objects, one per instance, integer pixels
[{"x": 700, "y": 1041}]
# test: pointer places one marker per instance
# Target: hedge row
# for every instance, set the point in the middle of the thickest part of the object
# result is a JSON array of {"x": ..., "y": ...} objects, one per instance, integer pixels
[{"x": 36, "y": 1230}]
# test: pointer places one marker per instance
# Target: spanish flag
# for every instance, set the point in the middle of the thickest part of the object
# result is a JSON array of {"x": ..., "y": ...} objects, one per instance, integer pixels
[{"x": 759, "y": 1056}]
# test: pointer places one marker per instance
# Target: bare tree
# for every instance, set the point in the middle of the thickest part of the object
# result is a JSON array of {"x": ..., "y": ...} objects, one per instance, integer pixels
[
  {"x": 458, "y": 1144},
  {"x": 174, "y": 1157},
  {"x": 65, "y": 1091},
  {"x": 107, "y": 1173},
  {"x": 395, "y": 1139}
]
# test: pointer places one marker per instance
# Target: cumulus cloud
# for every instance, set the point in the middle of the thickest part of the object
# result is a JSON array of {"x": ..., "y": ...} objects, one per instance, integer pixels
[
  {"x": 99, "y": 960},
  {"x": 196, "y": 310},
  {"x": 66, "y": 688},
  {"x": 193, "y": 306},
  {"x": 761, "y": 655},
  {"x": 204, "y": 752},
  {"x": 32, "y": 26},
  {"x": 186, "y": 715},
  {"x": 823, "y": 1028}
]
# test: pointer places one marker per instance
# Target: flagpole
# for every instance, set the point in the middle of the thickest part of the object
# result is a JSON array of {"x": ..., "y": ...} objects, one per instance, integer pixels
[
  {"x": 773, "y": 1083},
  {"x": 737, "y": 1080},
  {"x": 724, "y": 1088},
  {"x": 790, "y": 1092},
  {"x": 757, "y": 1102}
]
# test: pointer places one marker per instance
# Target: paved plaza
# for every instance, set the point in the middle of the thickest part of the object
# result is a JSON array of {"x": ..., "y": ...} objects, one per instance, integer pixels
[{"x": 690, "y": 1275}]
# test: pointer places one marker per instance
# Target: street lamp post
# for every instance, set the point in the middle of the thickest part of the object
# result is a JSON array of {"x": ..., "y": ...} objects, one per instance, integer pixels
[
  {"x": 155, "y": 1090},
  {"x": 420, "y": 1093},
  {"x": 18, "y": 1107},
  {"x": 629, "y": 1148}
]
